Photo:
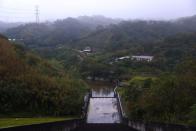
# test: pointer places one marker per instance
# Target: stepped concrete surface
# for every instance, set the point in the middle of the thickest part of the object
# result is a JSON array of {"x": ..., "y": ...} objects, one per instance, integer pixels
[{"x": 103, "y": 110}]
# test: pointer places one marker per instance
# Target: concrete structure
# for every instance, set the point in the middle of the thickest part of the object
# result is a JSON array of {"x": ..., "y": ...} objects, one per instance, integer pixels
[
  {"x": 103, "y": 107},
  {"x": 142, "y": 58}
]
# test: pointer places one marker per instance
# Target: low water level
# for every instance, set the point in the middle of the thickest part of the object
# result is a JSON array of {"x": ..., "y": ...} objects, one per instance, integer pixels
[{"x": 103, "y": 110}]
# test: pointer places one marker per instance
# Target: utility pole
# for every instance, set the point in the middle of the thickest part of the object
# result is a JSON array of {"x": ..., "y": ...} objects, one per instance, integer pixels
[{"x": 37, "y": 14}]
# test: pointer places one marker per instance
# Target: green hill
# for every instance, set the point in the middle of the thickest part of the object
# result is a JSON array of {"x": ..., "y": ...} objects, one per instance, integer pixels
[{"x": 31, "y": 85}]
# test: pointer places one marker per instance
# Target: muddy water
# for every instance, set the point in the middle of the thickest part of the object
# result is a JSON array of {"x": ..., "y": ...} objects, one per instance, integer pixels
[{"x": 103, "y": 110}]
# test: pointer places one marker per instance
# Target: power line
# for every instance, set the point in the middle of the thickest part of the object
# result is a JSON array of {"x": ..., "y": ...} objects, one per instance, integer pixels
[
  {"x": 14, "y": 9},
  {"x": 15, "y": 16},
  {"x": 13, "y": 12},
  {"x": 10, "y": 19},
  {"x": 7, "y": 14}
]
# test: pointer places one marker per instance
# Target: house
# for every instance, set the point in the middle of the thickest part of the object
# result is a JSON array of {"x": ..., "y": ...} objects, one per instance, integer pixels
[
  {"x": 142, "y": 58},
  {"x": 87, "y": 49},
  {"x": 122, "y": 58}
]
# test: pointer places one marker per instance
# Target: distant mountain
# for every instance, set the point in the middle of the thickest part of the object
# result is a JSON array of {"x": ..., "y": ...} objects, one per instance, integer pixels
[
  {"x": 98, "y": 20},
  {"x": 49, "y": 34},
  {"x": 99, "y": 32},
  {"x": 4, "y": 26},
  {"x": 186, "y": 19},
  {"x": 188, "y": 22},
  {"x": 59, "y": 32},
  {"x": 132, "y": 33}
]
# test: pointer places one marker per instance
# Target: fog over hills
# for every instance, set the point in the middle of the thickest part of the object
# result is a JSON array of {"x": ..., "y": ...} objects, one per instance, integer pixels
[
  {"x": 98, "y": 20},
  {"x": 4, "y": 26},
  {"x": 91, "y": 21},
  {"x": 97, "y": 31}
]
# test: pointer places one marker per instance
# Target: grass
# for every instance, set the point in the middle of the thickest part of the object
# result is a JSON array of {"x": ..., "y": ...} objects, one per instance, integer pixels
[
  {"x": 11, "y": 122},
  {"x": 142, "y": 78}
]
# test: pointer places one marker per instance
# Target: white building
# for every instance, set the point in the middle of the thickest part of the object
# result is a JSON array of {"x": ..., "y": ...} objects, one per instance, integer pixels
[
  {"x": 142, "y": 58},
  {"x": 12, "y": 39},
  {"x": 87, "y": 50}
]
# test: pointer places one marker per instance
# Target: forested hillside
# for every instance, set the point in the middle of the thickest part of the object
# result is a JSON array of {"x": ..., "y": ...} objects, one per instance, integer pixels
[
  {"x": 78, "y": 33},
  {"x": 32, "y": 86},
  {"x": 169, "y": 98},
  {"x": 133, "y": 33},
  {"x": 58, "y": 33},
  {"x": 170, "y": 42},
  {"x": 4, "y": 26}
]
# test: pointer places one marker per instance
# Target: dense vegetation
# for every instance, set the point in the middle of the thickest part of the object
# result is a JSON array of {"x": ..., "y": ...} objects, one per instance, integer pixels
[
  {"x": 168, "y": 41},
  {"x": 169, "y": 98},
  {"x": 4, "y": 25},
  {"x": 78, "y": 33},
  {"x": 58, "y": 33},
  {"x": 30, "y": 85}
]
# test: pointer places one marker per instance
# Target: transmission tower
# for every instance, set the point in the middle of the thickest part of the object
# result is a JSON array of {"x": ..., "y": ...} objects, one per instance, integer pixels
[{"x": 37, "y": 14}]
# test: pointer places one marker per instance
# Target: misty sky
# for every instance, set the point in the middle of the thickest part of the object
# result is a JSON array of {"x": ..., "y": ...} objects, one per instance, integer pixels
[{"x": 23, "y": 10}]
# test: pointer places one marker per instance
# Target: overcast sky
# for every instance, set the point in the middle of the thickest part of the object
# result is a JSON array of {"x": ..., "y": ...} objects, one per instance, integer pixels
[{"x": 24, "y": 10}]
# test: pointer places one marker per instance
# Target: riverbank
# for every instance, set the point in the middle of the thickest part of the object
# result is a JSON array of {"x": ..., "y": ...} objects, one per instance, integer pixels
[{"x": 12, "y": 122}]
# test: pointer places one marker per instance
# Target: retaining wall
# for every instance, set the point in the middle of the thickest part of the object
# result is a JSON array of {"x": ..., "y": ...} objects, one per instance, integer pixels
[
  {"x": 67, "y": 125},
  {"x": 150, "y": 126}
]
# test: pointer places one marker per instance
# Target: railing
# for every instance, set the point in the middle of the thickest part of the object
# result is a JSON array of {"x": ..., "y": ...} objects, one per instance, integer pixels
[
  {"x": 86, "y": 104},
  {"x": 123, "y": 117}
]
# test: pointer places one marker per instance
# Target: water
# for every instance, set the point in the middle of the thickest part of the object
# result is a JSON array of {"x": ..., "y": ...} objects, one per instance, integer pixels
[
  {"x": 103, "y": 92},
  {"x": 103, "y": 110}
]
